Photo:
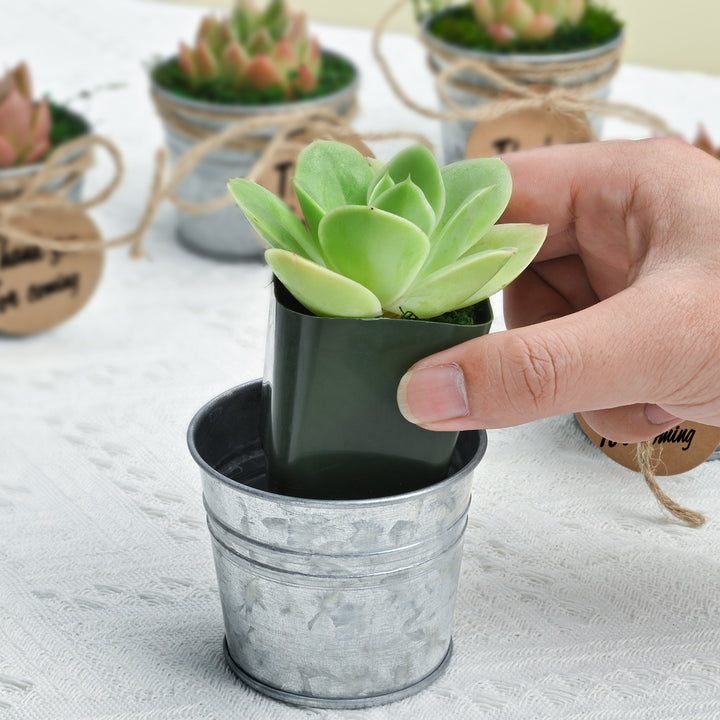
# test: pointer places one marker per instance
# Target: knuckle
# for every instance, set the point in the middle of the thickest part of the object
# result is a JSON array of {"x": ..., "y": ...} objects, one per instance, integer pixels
[{"x": 533, "y": 373}]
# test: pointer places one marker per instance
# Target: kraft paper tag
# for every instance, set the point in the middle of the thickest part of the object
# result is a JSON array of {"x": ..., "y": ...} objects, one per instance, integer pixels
[
  {"x": 42, "y": 288},
  {"x": 280, "y": 168},
  {"x": 678, "y": 450},
  {"x": 524, "y": 130}
]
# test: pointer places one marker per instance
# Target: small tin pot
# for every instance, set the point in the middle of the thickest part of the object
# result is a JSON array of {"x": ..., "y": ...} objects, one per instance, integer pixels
[
  {"x": 456, "y": 133},
  {"x": 328, "y": 603},
  {"x": 226, "y": 234}
]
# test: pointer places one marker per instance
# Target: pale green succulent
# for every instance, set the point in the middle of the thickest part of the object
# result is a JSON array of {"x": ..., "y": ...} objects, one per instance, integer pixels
[{"x": 405, "y": 237}]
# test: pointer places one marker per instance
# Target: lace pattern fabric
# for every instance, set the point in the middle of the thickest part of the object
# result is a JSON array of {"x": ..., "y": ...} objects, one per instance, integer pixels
[{"x": 579, "y": 598}]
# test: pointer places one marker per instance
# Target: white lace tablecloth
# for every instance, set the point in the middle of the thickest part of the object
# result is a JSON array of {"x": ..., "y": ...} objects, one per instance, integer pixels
[{"x": 579, "y": 598}]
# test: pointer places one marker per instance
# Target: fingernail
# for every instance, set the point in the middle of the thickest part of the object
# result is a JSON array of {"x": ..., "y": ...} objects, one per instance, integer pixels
[
  {"x": 657, "y": 416},
  {"x": 430, "y": 394}
]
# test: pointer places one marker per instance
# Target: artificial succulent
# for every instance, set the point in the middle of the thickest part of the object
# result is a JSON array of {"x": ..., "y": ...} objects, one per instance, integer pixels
[
  {"x": 24, "y": 124},
  {"x": 506, "y": 20},
  {"x": 255, "y": 49},
  {"x": 391, "y": 239}
]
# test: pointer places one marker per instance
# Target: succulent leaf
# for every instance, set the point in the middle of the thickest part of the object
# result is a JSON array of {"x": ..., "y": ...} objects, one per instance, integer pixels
[
  {"x": 453, "y": 287},
  {"x": 311, "y": 211},
  {"x": 379, "y": 185},
  {"x": 467, "y": 216},
  {"x": 407, "y": 200},
  {"x": 320, "y": 290},
  {"x": 526, "y": 239},
  {"x": 272, "y": 219},
  {"x": 334, "y": 174},
  {"x": 418, "y": 163},
  {"x": 354, "y": 241}
]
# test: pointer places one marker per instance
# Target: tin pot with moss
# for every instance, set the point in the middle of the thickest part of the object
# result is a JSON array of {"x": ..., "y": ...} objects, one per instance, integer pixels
[
  {"x": 251, "y": 63},
  {"x": 570, "y": 44}
]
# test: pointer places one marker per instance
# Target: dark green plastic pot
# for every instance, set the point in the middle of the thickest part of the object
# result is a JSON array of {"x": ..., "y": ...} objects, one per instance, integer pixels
[{"x": 331, "y": 425}]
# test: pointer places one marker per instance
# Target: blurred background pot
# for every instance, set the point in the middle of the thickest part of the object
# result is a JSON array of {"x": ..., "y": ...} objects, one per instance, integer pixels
[
  {"x": 225, "y": 234},
  {"x": 329, "y": 603},
  {"x": 589, "y": 70},
  {"x": 331, "y": 425}
]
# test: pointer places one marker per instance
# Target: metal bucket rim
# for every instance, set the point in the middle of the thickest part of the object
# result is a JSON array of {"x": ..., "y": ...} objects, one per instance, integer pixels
[
  {"x": 521, "y": 58},
  {"x": 257, "y": 109},
  {"x": 201, "y": 414}
]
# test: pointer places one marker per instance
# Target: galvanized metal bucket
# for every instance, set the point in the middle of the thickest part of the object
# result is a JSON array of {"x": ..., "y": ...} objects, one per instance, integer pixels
[
  {"x": 455, "y": 133},
  {"x": 226, "y": 234},
  {"x": 328, "y": 603}
]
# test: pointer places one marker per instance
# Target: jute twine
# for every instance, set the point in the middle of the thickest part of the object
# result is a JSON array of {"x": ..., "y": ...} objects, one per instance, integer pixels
[
  {"x": 516, "y": 87},
  {"x": 647, "y": 463}
]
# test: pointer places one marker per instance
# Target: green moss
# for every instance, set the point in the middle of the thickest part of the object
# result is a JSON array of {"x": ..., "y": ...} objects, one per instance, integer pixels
[
  {"x": 473, "y": 315},
  {"x": 457, "y": 25},
  {"x": 336, "y": 74},
  {"x": 66, "y": 125}
]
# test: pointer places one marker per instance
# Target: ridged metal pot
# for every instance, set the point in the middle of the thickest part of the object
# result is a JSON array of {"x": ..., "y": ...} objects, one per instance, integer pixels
[
  {"x": 225, "y": 234},
  {"x": 328, "y": 603},
  {"x": 456, "y": 133}
]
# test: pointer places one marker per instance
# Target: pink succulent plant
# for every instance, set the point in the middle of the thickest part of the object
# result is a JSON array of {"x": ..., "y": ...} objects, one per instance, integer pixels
[
  {"x": 24, "y": 124},
  {"x": 507, "y": 20},
  {"x": 254, "y": 48}
]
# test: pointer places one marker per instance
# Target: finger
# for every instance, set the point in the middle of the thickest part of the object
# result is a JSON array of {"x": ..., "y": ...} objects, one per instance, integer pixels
[
  {"x": 565, "y": 365},
  {"x": 547, "y": 290}
]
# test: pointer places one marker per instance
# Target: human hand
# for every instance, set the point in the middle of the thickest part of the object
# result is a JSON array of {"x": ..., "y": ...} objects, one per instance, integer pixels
[{"x": 618, "y": 317}]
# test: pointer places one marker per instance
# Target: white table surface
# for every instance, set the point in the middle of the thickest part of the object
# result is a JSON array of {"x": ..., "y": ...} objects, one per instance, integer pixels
[{"x": 579, "y": 598}]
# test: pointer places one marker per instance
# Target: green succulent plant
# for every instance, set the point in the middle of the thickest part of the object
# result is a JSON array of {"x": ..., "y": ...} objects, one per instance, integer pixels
[{"x": 388, "y": 239}]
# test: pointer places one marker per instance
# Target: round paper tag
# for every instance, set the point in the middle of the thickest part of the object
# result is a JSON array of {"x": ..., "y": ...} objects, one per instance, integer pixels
[
  {"x": 677, "y": 450},
  {"x": 526, "y": 129},
  {"x": 281, "y": 167},
  {"x": 41, "y": 288}
]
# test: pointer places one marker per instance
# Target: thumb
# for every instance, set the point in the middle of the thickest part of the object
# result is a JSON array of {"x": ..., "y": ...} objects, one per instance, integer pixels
[{"x": 593, "y": 360}]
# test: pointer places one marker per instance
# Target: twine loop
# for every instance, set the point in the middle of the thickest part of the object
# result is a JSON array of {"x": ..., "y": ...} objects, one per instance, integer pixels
[{"x": 647, "y": 463}]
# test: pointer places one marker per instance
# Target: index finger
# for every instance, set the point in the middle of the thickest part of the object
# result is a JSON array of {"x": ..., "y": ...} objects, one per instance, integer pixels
[{"x": 563, "y": 184}]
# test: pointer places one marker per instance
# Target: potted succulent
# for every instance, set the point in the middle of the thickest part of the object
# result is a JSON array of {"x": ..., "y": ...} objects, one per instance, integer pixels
[
  {"x": 30, "y": 130},
  {"x": 338, "y": 525},
  {"x": 571, "y": 44},
  {"x": 252, "y": 64}
]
